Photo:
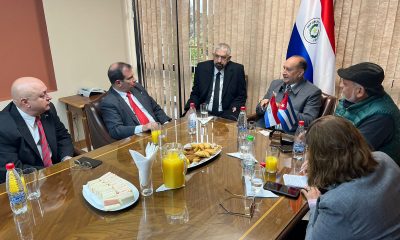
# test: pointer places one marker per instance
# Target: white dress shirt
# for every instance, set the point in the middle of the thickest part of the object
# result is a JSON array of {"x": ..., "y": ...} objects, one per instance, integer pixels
[
  {"x": 221, "y": 84},
  {"x": 33, "y": 129},
  {"x": 139, "y": 128}
]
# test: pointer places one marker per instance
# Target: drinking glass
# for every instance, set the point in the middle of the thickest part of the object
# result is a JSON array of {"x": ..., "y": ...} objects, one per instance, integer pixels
[
  {"x": 203, "y": 113},
  {"x": 155, "y": 132},
  {"x": 257, "y": 181},
  {"x": 32, "y": 182},
  {"x": 272, "y": 159}
]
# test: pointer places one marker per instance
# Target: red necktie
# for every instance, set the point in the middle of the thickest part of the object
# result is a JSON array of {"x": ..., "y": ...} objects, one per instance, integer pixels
[
  {"x": 44, "y": 144},
  {"x": 139, "y": 114}
]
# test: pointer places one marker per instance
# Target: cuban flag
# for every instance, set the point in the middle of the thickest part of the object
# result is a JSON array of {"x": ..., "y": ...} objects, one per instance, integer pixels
[
  {"x": 286, "y": 114},
  {"x": 271, "y": 114},
  {"x": 313, "y": 38}
]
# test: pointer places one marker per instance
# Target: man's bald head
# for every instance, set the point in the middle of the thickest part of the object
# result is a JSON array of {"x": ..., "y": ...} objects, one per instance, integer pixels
[{"x": 30, "y": 95}]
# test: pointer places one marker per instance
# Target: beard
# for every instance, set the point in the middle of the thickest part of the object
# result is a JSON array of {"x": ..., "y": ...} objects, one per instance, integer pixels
[{"x": 219, "y": 66}]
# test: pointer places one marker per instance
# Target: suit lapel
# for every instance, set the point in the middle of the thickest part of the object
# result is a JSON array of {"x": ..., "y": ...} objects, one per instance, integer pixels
[
  {"x": 228, "y": 74},
  {"x": 143, "y": 100},
  {"x": 23, "y": 129},
  {"x": 125, "y": 106}
]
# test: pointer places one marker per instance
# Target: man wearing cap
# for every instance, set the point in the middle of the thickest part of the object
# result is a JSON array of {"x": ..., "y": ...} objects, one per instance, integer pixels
[{"x": 370, "y": 108}]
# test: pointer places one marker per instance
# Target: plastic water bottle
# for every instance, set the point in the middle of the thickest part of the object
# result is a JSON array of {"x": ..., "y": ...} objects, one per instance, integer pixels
[
  {"x": 248, "y": 157},
  {"x": 15, "y": 190},
  {"x": 242, "y": 127},
  {"x": 192, "y": 119},
  {"x": 299, "y": 146}
]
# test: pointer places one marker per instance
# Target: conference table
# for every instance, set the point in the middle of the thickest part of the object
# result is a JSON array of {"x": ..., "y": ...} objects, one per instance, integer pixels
[{"x": 191, "y": 212}]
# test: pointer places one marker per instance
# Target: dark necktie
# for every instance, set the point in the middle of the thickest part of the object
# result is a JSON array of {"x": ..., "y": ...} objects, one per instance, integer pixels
[
  {"x": 216, "y": 94},
  {"x": 288, "y": 88},
  {"x": 44, "y": 144},
  {"x": 139, "y": 114}
]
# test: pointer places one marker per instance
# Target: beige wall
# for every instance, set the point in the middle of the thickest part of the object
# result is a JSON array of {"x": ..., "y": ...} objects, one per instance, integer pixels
[{"x": 85, "y": 37}]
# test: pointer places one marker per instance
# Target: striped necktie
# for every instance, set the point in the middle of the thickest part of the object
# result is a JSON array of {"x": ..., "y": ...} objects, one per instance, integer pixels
[{"x": 46, "y": 156}]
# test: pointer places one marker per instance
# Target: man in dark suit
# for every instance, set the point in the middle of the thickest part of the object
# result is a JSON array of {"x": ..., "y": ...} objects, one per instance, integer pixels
[
  {"x": 31, "y": 133},
  {"x": 128, "y": 109},
  {"x": 220, "y": 83},
  {"x": 305, "y": 96}
]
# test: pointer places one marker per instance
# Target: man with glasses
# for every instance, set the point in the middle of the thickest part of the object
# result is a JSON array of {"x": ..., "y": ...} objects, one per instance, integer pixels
[
  {"x": 220, "y": 83},
  {"x": 305, "y": 97},
  {"x": 31, "y": 133},
  {"x": 128, "y": 109},
  {"x": 366, "y": 104}
]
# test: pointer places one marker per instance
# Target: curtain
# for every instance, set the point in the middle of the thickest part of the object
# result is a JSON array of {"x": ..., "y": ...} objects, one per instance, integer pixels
[{"x": 177, "y": 34}]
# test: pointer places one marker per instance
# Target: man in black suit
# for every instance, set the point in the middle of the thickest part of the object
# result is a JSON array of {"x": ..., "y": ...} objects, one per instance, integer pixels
[
  {"x": 31, "y": 133},
  {"x": 220, "y": 83},
  {"x": 128, "y": 109}
]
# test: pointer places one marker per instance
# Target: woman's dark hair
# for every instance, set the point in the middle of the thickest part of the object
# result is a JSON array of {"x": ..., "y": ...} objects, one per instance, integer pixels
[{"x": 337, "y": 152}]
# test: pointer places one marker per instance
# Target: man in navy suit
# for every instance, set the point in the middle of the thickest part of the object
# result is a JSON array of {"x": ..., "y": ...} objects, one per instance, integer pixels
[
  {"x": 31, "y": 133},
  {"x": 128, "y": 109},
  {"x": 220, "y": 83}
]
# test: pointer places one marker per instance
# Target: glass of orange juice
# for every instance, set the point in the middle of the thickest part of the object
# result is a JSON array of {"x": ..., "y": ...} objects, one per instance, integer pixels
[
  {"x": 272, "y": 160},
  {"x": 155, "y": 132},
  {"x": 174, "y": 165}
]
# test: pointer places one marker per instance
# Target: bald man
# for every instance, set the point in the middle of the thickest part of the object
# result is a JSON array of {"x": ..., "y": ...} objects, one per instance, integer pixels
[
  {"x": 305, "y": 97},
  {"x": 31, "y": 133}
]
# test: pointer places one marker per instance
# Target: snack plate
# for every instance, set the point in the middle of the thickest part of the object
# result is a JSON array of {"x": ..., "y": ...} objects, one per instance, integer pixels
[
  {"x": 203, "y": 160},
  {"x": 96, "y": 202}
]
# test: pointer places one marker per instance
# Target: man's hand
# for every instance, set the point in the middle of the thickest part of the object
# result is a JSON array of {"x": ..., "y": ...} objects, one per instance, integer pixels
[
  {"x": 264, "y": 103},
  {"x": 149, "y": 126},
  {"x": 233, "y": 109}
]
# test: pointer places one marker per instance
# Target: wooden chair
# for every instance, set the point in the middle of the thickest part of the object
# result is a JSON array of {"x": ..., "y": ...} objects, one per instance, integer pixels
[{"x": 98, "y": 132}]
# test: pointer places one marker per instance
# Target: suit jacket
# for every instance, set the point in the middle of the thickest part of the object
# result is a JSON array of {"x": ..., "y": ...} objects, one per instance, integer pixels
[
  {"x": 119, "y": 118},
  {"x": 234, "y": 93},
  {"x": 364, "y": 208},
  {"x": 305, "y": 97},
  {"x": 17, "y": 144}
]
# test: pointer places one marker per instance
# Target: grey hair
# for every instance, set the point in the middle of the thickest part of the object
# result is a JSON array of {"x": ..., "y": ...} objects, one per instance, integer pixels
[{"x": 223, "y": 46}]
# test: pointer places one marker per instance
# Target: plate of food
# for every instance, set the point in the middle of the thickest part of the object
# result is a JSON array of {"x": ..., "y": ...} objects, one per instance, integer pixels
[
  {"x": 110, "y": 193},
  {"x": 200, "y": 153}
]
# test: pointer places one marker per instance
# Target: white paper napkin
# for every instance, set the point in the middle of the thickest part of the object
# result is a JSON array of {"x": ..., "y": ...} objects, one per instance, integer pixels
[
  {"x": 144, "y": 163},
  {"x": 204, "y": 121},
  {"x": 265, "y": 132},
  {"x": 163, "y": 188},
  {"x": 295, "y": 180},
  {"x": 239, "y": 155},
  {"x": 262, "y": 193}
]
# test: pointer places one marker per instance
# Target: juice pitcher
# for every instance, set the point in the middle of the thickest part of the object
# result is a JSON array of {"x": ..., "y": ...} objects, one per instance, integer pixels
[{"x": 174, "y": 165}]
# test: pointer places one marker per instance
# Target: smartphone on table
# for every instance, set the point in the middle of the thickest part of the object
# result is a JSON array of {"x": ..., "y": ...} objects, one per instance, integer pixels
[{"x": 281, "y": 189}]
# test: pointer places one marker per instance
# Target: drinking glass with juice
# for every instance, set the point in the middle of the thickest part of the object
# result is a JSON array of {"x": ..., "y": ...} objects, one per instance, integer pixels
[
  {"x": 174, "y": 165},
  {"x": 271, "y": 160}
]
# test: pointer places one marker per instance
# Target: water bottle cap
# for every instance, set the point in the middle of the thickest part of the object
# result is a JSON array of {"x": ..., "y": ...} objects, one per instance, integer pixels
[
  {"x": 250, "y": 138},
  {"x": 242, "y": 108},
  {"x": 192, "y": 105},
  {"x": 262, "y": 164},
  {"x": 301, "y": 123},
  {"x": 10, "y": 166}
]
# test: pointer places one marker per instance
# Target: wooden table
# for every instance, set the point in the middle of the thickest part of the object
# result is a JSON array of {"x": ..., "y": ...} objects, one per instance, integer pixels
[
  {"x": 75, "y": 104},
  {"x": 62, "y": 212}
]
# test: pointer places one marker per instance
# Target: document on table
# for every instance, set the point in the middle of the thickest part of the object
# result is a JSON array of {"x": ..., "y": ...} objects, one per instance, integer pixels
[{"x": 295, "y": 180}]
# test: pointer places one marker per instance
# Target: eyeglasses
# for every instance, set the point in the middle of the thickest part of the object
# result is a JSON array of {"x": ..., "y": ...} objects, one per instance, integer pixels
[
  {"x": 224, "y": 58},
  {"x": 250, "y": 214},
  {"x": 81, "y": 165}
]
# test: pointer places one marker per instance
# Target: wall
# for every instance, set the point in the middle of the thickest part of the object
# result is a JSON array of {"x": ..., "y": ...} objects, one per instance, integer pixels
[{"x": 85, "y": 38}]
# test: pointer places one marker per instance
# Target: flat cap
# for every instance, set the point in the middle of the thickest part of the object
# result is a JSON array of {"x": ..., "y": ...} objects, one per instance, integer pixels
[{"x": 367, "y": 74}]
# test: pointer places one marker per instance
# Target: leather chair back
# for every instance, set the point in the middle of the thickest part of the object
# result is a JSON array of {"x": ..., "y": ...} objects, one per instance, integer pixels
[
  {"x": 328, "y": 105},
  {"x": 98, "y": 132}
]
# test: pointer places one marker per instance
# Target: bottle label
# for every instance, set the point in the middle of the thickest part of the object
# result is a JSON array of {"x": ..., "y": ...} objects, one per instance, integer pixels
[
  {"x": 298, "y": 147},
  {"x": 192, "y": 122},
  {"x": 17, "y": 198}
]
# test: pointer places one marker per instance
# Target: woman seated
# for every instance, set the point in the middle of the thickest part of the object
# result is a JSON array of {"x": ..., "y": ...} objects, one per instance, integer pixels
[{"x": 354, "y": 193}]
